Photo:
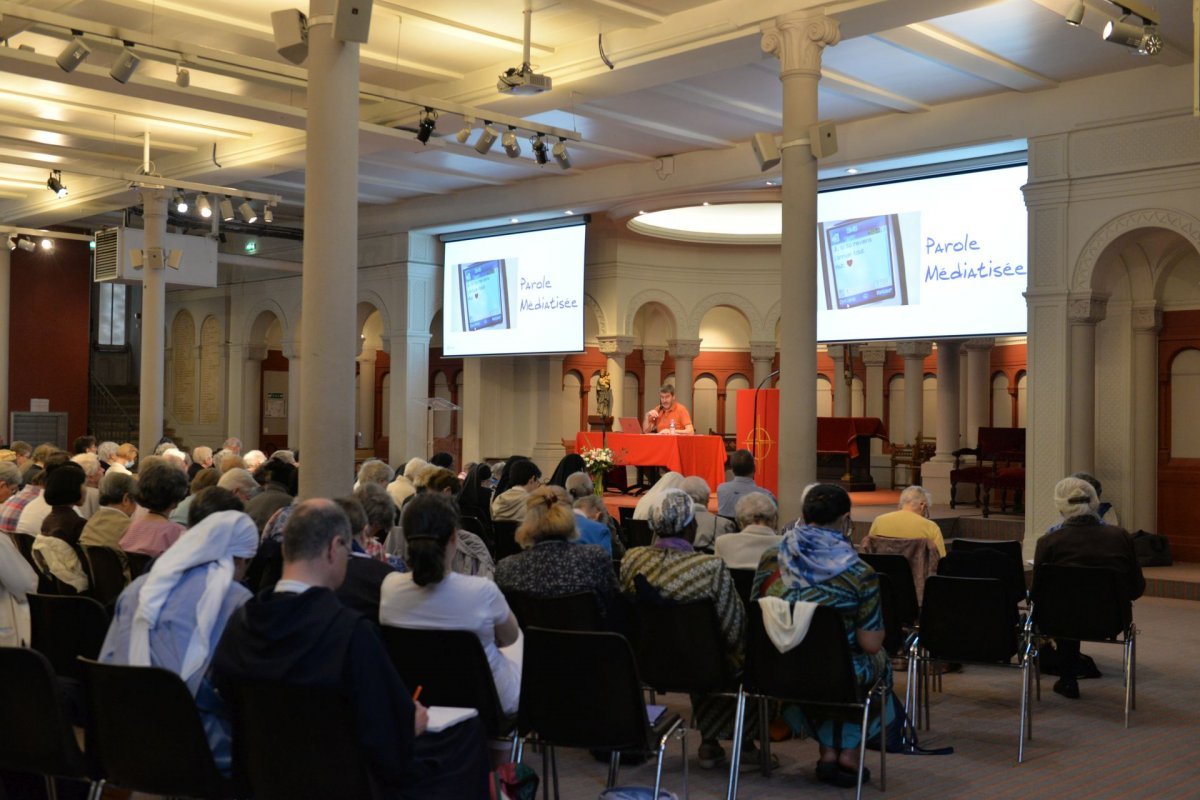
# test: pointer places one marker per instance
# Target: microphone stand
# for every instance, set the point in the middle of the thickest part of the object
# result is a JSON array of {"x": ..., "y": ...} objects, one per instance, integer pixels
[{"x": 754, "y": 417}]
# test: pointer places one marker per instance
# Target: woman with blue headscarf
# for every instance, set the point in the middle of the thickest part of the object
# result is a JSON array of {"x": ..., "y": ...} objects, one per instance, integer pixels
[{"x": 816, "y": 563}]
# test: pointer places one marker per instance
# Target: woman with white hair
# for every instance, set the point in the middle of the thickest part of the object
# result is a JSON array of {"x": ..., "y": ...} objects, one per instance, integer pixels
[
  {"x": 708, "y": 525},
  {"x": 173, "y": 616},
  {"x": 1083, "y": 540},
  {"x": 758, "y": 518}
]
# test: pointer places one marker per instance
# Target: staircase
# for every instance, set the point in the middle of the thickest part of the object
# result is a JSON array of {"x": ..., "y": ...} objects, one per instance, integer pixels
[{"x": 113, "y": 412}]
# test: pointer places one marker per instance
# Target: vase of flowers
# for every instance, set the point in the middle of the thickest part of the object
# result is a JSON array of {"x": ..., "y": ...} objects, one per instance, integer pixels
[{"x": 598, "y": 461}]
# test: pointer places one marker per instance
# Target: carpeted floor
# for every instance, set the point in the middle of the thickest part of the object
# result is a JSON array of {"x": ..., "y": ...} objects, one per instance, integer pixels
[{"x": 1079, "y": 749}]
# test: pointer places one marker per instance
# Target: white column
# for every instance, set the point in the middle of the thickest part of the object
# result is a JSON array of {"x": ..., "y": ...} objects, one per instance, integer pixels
[
  {"x": 408, "y": 421},
  {"x": 1083, "y": 313},
  {"x": 471, "y": 397},
  {"x": 762, "y": 354},
  {"x": 547, "y": 389},
  {"x": 616, "y": 348},
  {"x": 979, "y": 386},
  {"x": 291, "y": 351},
  {"x": 652, "y": 359},
  {"x": 798, "y": 39},
  {"x": 328, "y": 330},
  {"x": 841, "y": 392},
  {"x": 154, "y": 326},
  {"x": 947, "y": 387},
  {"x": 251, "y": 419},
  {"x": 366, "y": 396},
  {"x": 5, "y": 324},
  {"x": 1147, "y": 321},
  {"x": 873, "y": 357},
  {"x": 914, "y": 355},
  {"x": 684, "y": 352}
]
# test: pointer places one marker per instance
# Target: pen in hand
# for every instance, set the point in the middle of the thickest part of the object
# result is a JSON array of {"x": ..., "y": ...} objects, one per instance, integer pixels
[{"x": 417, "y": 693}]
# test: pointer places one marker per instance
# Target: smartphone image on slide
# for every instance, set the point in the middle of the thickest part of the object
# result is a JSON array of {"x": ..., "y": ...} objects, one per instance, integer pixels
[
  {"x": 484, "y": 292},
  {"x": 863, "y": 261}
]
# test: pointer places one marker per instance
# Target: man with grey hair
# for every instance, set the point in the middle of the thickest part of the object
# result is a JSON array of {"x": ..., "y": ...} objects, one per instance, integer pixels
[
  {"x": 240, "y": 482},
  {"x": 708, "y": 525},
  {"x": 105, "y": 452},
  {"x": 10, "y": 480},
  {"x": 111, "y": 520},
  {"x": 911, "y": 521},
  {"x": 742, "y": 465},
  {"x": 402, "y": 487},
  {"x": 1082, "y": 540},
  {"x": 589, "y": 521},
  {"x": 301, "y": 635},
  {"x": 254, "y": 459},
  {"x": 579, "y": 485},
  {"x": 758, "y": 518},
  {"x": 373, "y": 471},
  {"x": 233, "y": 445},
  {"x": 202, "y": 458}
]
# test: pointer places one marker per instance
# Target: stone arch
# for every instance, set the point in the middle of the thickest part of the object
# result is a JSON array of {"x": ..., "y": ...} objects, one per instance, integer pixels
[
  {"x": 253, "y": 329},
  {"x": 770, "y": 327},
  {"x": 1183, "y": 224},
  {"x": 732, "y": 300},
  {"x": 182, "y": 317},
  {"x": 368, "y": 301},
  {"x": 679, "y": 317},
  {"x": 590, "y": 303}
]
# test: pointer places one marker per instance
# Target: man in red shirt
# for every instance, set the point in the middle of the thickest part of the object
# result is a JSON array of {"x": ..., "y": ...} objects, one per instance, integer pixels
[{"x": 659, "y": 418}]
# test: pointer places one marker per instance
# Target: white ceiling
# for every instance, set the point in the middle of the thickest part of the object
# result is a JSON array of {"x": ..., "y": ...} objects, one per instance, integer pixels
[{"x": 689, "y": 76}]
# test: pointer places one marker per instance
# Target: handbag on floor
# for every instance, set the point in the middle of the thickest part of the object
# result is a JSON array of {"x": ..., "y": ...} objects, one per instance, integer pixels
[{"x": 1152, "y": 549}]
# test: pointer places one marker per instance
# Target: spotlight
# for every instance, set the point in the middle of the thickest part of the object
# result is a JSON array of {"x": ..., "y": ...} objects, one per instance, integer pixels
[
  {"x": 226, "y": 209},
  {"x": 54, "y": 183},
  {"x": 1075, "y": 15},
  {"x": 487, "y": 138},
  {"x": 47, "y": 244},
  {"x": 27, "y": 245},
  {"x": 125, "y": 65},
  {"x": 268, "y": 215},
  {"x": 1141, "y": 38},
  {"x": 203, "y": 206},
  {"x": 247, "y": 211},
  {"x": 181, "y": 203},
  {"x": 512, "y": 147},
  {"x": 74, "y": 54},
  {"x": 464, "y": 134},
  {"x": 426, "y": 125},
  {"x": 540, "y": 151},
  {"x": 183, "y": 78},
  {"x": 561, "y": 155}
]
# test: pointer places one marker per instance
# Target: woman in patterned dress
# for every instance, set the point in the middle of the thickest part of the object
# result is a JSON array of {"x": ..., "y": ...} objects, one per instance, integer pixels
[{"x": 815, "y": 562}]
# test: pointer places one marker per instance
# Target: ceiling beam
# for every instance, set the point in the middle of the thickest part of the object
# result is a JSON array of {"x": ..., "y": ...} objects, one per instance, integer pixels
[
  {"x": 869, "y": 92},
  {"x": 666, "y": 130},
  {"x": 939, "y": 46},
  {"x": 768, "y": 115}
]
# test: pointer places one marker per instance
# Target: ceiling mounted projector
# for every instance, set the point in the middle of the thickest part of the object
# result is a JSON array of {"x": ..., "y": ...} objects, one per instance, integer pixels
[{"x": 523, "y": 80}]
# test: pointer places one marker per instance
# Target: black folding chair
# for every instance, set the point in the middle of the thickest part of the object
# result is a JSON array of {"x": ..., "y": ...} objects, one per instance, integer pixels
[
  {"x": 35, "y": 729},
  {"x": 1088, "y": 604},
  {"x": 638, "y": 533},
  {"x": 971, "y": 620},
  {"x": 481, "y": 529},
  {"x": 581, "y": 689},
  {"x": 289, "y": 761},
  {"x": 451, "y": 669},
  {"x": 743, "y": 579},
  {"x": 1010, "y": 547},
  {"x": 105, "y": 572},
  {"x": 817, "y": 672},
  {"x": 899, "y": 573},
  {"x": 138, "y": 563},
  {"x": 579, "y": 611},
  {"x": 986, "y": 562},
  {"x": 893, "y": 631},
  {"x": 66, "y": 627},
  {"x": 146, "y": 733},
  {"x": 505, "y": 536}
]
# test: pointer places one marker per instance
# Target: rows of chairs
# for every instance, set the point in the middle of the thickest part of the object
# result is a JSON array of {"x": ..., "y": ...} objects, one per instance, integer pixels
[{"x": 101, "y": 565}]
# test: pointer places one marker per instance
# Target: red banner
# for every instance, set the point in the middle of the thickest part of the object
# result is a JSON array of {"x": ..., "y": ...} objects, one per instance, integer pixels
[{"x": 758, "y": 432}]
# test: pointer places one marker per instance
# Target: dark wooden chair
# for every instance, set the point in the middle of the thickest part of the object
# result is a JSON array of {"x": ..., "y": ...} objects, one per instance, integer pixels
[{"x": 997, "y": 448}]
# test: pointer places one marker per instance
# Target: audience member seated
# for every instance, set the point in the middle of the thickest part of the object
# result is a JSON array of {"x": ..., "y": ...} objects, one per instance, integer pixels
[
  {"x": 52, "y": 551},
  {"x": 475, "y": 499},
  {"x": 199, "y": 480},
  {"x": 17, "y": 580},
  {"x": 741, "y": 464},
  {"x": 578, "y": 485},
  {"x": 173, "y": 616},
  {"x": 442, "y": 459},
  {"x": 1105, "y": 511},
  {"x": 708, "y": 525},
  {"x": 278, "y": 480},
  {"x": 240, "y": 482},
  {"x": 653, "y": 496},
  {"x": 524, "y": 476},
  {"x": 911, "y": 521},
  {"x": 589, "y": 513},
  {"x": 202, "y": 458},
  {"x": 568, "y": 465},
  {"x": 1082, "y": 540},
  {"x": 433, "y": 596},
  {"x": 471, "y": 555},
  {"x": 251, "y": 461},
  {"x": 301, "y": 635},
  {"x": 380, "y": 512},
  {"x": 105, "y": 451},
  {"x": 83, "y": 444},
  {"x": 160, "y": 487},
  {"x": 364, "y": 574},
  {"x": 758, "y": 518},
  {"x": 374, "y": 471},
  {"x": 402, "y": 487},
  {"x": 37, "y": 509},
  {"x": 14, "y": 506},
  {"x": 676, "y": 572},
  {"x": 233, "y": 445},
  {"x": 815, "y": 563},
  {"x": 94, "y": 472},
  {"x": 125, "y": 456},
  {"x": 10, "y": 490},
  {"x": 210, "y": 501},
  {"x": 553, "y": 561}
]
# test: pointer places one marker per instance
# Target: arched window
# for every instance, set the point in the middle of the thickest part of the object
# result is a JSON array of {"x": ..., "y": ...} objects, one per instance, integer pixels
[
  {"x": 183, "y": 367},
  {"x": 211, "y": 384}
]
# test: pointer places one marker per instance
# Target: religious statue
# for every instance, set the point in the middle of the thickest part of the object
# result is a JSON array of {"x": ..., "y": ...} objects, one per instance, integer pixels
[{"x": 604, "y": 396}]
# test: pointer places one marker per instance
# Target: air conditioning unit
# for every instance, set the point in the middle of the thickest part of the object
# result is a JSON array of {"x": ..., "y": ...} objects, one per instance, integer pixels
[{"x": 189, "y": 261}]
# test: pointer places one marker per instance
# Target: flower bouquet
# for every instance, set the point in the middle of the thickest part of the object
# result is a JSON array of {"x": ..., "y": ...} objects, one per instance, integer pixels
[{"x": 598, "y": 461}]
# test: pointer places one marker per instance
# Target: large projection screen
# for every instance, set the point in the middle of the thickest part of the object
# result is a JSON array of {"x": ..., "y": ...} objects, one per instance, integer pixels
[
  {"x": 514, "y": 294},
  {"x": 939, "y": 257}
]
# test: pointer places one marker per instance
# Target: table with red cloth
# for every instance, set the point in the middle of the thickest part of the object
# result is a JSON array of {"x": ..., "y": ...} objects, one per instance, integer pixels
[
  {"x": 687, "y": 454},
  {"x": 843, "y": 446}
]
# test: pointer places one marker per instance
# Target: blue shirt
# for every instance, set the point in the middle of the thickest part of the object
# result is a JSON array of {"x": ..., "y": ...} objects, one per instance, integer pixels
[
  {"x": 730, "y": 492},
  {"x": 593, "y": 532}
]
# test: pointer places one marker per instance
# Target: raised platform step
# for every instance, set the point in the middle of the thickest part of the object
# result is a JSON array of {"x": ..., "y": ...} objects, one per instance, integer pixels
[{"x": 1178, "y": 581}]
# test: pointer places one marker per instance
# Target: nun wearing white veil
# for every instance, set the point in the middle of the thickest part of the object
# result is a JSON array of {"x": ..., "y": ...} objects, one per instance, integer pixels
[{"x": 173, "y": 616}]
